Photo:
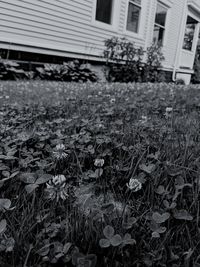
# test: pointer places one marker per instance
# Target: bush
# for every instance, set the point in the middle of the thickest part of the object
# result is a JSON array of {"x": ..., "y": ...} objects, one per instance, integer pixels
[
  {"x": 196, "y": 76},
  {"x": 10, "y": 70},
  {"x": 126, "y": 62},
  {"x": 71, "y": 71},
  {"x": 180, "y": 82},
  {"x": 152, "y": 72}
]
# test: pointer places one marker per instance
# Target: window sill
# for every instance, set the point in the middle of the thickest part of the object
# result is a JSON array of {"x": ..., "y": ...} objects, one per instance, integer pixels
[
  {"x": 104, "y": 26},
  {"x": 130, "y": 34},
  {"x": 189, "y": 52}
]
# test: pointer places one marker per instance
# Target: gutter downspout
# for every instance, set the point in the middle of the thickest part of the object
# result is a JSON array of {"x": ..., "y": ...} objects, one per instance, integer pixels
[{"x": 179, "y": 43}]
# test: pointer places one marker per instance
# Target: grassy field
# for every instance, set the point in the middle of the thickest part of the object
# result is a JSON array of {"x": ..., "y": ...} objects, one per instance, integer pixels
[{"x": 99, "y": 175}]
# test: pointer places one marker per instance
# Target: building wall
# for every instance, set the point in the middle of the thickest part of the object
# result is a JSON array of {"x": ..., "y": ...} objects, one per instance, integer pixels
[
  {"x": 68, "y": 28},
  {"x": 61, "y": 26},
  {"x": 173, "y": 27}
]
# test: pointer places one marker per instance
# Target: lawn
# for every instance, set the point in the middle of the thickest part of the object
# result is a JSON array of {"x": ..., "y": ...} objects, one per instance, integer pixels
[{"x": 99, "y": 175}]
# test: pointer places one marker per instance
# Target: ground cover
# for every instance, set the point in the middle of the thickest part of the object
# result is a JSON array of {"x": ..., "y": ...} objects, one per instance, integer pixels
[{"x": 99, "y": 174}]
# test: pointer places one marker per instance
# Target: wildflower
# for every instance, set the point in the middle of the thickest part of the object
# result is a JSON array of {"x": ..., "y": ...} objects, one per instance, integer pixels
[
  {"x": 99, "y": 162},
  {"x": 112, "y": 100},
  {"x": 60, "y": 147},
  {"x": 58, "y": 179},
  {"x": 168, "y": 112},
  {"x": 134, "y": 185},
  {"x": 143, "y": 120},
  {"x": 168, "y": 109},
  {"x": 60, "y": 152},
  {"x": 172, "y": 92},
  {"x": 100, "y": 125},
  {"x": 57, "y": 188}
]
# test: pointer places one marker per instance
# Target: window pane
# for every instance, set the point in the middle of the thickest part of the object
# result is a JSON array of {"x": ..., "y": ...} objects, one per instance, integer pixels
[
  {"x": 104, "y": 11},
  {"x": 158, "y": 34},
  {"x": 161, "y": 13},
  {"x": 133, "y": 18},
  {"x": 189, "y": 33}
]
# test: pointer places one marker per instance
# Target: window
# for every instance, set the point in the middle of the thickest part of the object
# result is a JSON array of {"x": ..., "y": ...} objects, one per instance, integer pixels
[
  {"x": 189, "y": 33},
  {"x": 104, "y": 11},
  {"x": 159, "y": 25},
  {"x": 133, "y": 18}
]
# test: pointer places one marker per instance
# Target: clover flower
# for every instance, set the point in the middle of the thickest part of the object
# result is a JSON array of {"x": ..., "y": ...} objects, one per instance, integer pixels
[
  {"x": 168, "y": 112},
  {"x": 57, "y": 188},
  {"x": 134, "y": 185},
  {"x": 169, "y": 109},
  {"x": 172, "y": 92},
  {"x": 112, "y": 100},
  {"x": 60, "y": 147},
  {"x": 58, "y": 180},
  {"x": 99, "y": 162},
  {"x": 59, "y": 152},
  {"x": 143, "y": 120}
]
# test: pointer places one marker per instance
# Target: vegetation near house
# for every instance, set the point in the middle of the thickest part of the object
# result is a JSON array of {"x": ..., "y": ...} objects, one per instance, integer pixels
[
  {"x": 99, "y": 135},
  {"x": 128, "y": 63},
  {"x": 99, "y": 174},
  {"x": 73, "y": 28},
  {"x": 125, "y": 62},
  {"x": 72, "y": 71},
  {"x": 196, "y": 75}
]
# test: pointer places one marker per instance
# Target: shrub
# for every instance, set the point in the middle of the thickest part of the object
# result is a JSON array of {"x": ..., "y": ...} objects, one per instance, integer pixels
[
  {"x": 196, "y": 76},
  {"x": 180, "y": 82},
  {"x": 124, "y": 59},
  {"x": 126, "y": 62},
  {"x": 70, "y": 71},
  {"x": 152, "y": 72},
  {"x": 10, "y": 70}
]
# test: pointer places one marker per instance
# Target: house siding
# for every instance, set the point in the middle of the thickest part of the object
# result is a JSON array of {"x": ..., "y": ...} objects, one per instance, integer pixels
[
  {"x": 68, "y": 28},
  {"x": 176, "y": 28},
  {"x": 173, "y": 27},
  {"x": 62, "y": 25}
]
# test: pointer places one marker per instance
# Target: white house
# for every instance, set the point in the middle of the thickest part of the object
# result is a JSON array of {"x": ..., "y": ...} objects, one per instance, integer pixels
[{"x": 78, "y": 28}]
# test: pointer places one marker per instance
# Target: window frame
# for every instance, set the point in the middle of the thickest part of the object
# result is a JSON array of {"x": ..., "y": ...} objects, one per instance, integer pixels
[
  {"x": 139, "y": 19},
  {"x": 142, "y": 21},
  {"x": 114, "y": 15},
  {"x": 165, "y": 27},
  {"x": 196, "y": 32}
]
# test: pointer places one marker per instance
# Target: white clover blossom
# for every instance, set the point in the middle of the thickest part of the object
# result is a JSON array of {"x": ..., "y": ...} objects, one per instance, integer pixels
[
  {"x": 168, "y": 112},
  {"x": 99, "y": 162},
  {"x": 59, "y": 152},
  {"x": 134, "y": 185},
  {"x": 169, "y": 109},
  {"x": 57, "y": 188},
  {"x": 112, "y": 100},
  {"x": 143, "y": 120},
  {"x": 60, "y": 147},
  {"x": 172, "y": 92},
  {"x": 58, "y": 180}
]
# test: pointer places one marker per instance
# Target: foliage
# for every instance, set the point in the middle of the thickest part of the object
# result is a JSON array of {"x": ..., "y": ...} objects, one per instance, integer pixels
[
  {"x": 127, "y": 63},
  {"x": 99, "y": 174},
  {"x": 180, "y": 81},
  {"x": 10, "y": 70},
  {"x": 154, "y": 60},
  {"x": 70, "y": 71},
  {"x": 196, "y": 76}
]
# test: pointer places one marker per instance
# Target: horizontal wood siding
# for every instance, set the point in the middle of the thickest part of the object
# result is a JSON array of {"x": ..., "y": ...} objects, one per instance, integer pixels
[
  {"x": 175, "y": 25},
  {"x": 63, "y": 25}
]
